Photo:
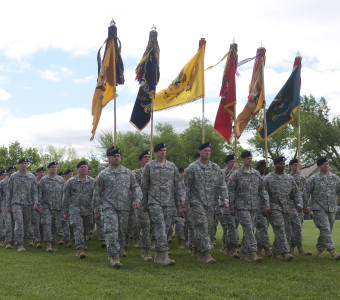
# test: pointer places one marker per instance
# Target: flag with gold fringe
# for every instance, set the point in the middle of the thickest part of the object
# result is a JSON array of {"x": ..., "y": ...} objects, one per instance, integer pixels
[
  {"x": 256, "y": 97},
  {"x": 280, "y": 111},
  {"x": 225, "y": 114},
  {"x": 110, "y": 74},
  {"x": 188, "y": 86},
  {"x": 147, "y": 74}
]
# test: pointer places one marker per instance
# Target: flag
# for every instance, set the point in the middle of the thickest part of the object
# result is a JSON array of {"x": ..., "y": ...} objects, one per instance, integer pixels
[
  {"x": 188, "y": 85},
  {"x": 256, "y": 97},
  {"x": 147, "y": 74},
  {"x": 225, "y": 114},
  {"x": 110, "y": 74},
  {"x": 280, "y": 111}
]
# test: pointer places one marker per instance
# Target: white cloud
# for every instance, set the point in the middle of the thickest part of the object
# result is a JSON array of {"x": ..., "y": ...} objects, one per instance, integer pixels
[
  {"x": 55, "y": 73},
  {"x": 83, "y": 80},
  {"x": 4, "y": 96}
]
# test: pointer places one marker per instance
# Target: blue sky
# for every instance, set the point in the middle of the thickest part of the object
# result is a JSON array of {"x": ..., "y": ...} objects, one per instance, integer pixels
[{"x": 48, "y": 66}]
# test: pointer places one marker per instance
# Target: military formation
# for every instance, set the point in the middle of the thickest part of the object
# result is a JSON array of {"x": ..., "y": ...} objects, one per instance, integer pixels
[{"x": 146, "y": 203}]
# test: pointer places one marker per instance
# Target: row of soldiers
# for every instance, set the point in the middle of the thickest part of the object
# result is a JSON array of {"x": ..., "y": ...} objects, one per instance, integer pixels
[{"x": 237, "y": 195}]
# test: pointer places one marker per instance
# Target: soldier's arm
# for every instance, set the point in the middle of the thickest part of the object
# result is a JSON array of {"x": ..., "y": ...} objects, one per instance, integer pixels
[
  {"x": 307, "y": 191},
  {"x": 9, "y": 193},
  {"x": 66, "y": 197},
  {"x": 223, "y": 190},
  {"x": 296, "y": 195},
  {"x": 145, "y": 184},
  {"x": 188, "y": 181},
  {"x": 263, "y": 195},
  {"x": 34, "y": 192},
  {"x": 232, "y": 183},
  {"x": 179, "y": 189},
  {"x": 97, "y": 195},
  {"x": 135, "y": 189}
]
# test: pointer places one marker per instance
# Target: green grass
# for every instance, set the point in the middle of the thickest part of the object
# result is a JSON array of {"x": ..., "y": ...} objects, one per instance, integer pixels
[{"x": 35, "y": 274}]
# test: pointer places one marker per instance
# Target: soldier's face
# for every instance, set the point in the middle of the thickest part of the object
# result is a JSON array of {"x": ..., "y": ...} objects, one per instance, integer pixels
[
  {"x": 83, "y": 170},
  {"x": 324, "y": 167},
  {"x": 23, "y": 166},
  {"x": 115, "y": 159},
  {"x": 247, "y": 161},
  {"x": 40, "y": 174},
  {"x": 205, "y": 153},
  {"x": 293, "y": 167},
  {"x": 230, "y": 164},
  {"x": 3, "y": 175},
  {"x": 53, "y": 170},
  {"x": 160, "y": 154},
  {"x": 146, "y": 158},
  {"x": 69, "y": 175},
  {"x": 10, "y": 172},
  {"x": 280, "y": 167}
]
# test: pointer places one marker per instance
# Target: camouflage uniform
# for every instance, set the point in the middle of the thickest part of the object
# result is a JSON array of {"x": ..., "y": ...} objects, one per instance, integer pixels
[
  {"x": 323, "y": 190},
  {"x": 205, "y": 184},
  {"x": 113, "y": 195},
  {"x": 22, "y": 194},
  {"x": 281, "y": 189},
  {"x": 50, "y": 198},
  {"x": 34, "y": 230},
  {"x": 7, "y": 217},
  {"x": 162, "y": 191},
  {"x": 77, "y": 202},
  {"x": 246, "y": 191}
]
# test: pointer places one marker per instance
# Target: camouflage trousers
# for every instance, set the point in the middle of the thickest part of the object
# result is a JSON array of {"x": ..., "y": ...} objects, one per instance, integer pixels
[
  {"x": 144, "y": 228},
  {"x": 218, "y": 217},
  {"x": 115, "y": 229},
  {"x": 231, "y": 238},
  {"x": 324, "y": 222},
  {"x": 2, "y": 228},
  {"x": 100, "y": 229},
  {"x": 65, "y": 229},
  {"x": 294, "y": 229},
  {"x": 203, "y": 219},
  {"x": 21, "y": 216},
  {"x": 51, "y": 222},
  {"x": 161, "y": 217},
  {"x": 8, "y": 225},
  {"x": 132, "y": 227},
  {"x": 82, "y": 225},
  {"x": 179, "y": 225},
  {"x": 189, "y": 230},
  {"x": 279, "y": 221},
  {"x": 261, "y": 234},
  {"x": 247, "y": 219},
  {"x": 34, "y": 228}
]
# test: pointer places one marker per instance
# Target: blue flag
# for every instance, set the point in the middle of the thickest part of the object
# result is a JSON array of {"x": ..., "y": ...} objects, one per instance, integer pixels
[{"x": 280, "y": 111}]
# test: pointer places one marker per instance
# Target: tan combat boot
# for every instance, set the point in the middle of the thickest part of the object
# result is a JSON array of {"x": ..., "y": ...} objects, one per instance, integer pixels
[
  {"x": 9, "y": 246},
  {"x": 162, "y": 257},
  {"x": 102, "y": 244},
  {"x": 21, "y": 248},
  {"x": 124, "y": 254},
  {"x": 287, "y": 257},
  {"x": 224, "y": 250},
  {"x": 69, "y": 245},
  {"x": 259, "y": 250},
  {"x": 275, "y": 256},
  {"x": 319, "y": 254},
  {"x": 192, "y": 252},
  {"x": 38, "y": 245},
  {"x": 114, "y": 261},
  {"x": 146, "y": 254},
  {"x": 207, "y": 258},
  {"x": 291, "y": 249},
  {"x": 181, "y": 244},
  {"x": 81, "y": 253},
  {"x": 136, "y": 244},
  {"x": 267, "y": 251},
  {"x": 244, "y": 257},
  {"x": 334, "y": 255},
  {"x": 2, "y": 243},
  {"x": 60, "y": 240},
  {"x": 30, "y": 242},
  {"x": 255, "y": 258},
  {"x": 233, "y": 253},
  {"x": 302, "y": 251},
  {"x": 49, "y": 247},
  {"x": 153, "y": 244}
]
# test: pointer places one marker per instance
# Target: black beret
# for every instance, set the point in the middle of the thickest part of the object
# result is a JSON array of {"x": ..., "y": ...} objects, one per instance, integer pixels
[
  {"x": 40, "y": 169},
  {"x": 205, "y": 145},
  {"x": 3, "y": 171},
  {"x": 12, "y": 167},
  {"x": 53, "y": 163},
  {"x": 61, "y": 173},
  {"x": 229, "y": 157},
  {"x": 279, "y": 159},
  {"x": 143, "y": 153},
  {"x": 68, "y": 171},
  {"x": 89, "y": 168},
  {"x": 293, "y": 161},
  {"x": 181, "y": 170},
  {"x": 35, "y": 174},
  {"x": 159, "y": 147},
  {"x": 82, "y": 163},
  {"x": 246, "y": 153},
  {"x": 321, "y": 160},
  {"x": 112, "y": 151},
  {"x": 22, "y": 160},
  {"x": 196, "y": 155},
  {"x": 260, "y": 163}
]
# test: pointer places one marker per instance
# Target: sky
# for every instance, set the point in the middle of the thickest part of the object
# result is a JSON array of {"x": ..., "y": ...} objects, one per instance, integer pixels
[{"x": 48, "y": 51}]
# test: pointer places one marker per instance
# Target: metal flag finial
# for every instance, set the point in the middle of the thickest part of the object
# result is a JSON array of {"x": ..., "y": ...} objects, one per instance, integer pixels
[
  {"x": 298, "y": 54},
  {"x": 261, "y": 45},
  {"x": 112, "y": 23},
  {"x": 153, "y": 28},
  {"x": 234, "y": 41}
]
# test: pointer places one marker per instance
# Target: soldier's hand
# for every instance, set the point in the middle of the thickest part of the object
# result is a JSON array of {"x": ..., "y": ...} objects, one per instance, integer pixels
[
  {"x": 226, "y": 204},
  {"x": 144, "y": 208},
  {"x": 266, "y": 171},
  {"x": 35, "y": 206},
  {"x": 136, "y": 205},
  {"x": 40, "y": 210},
  {"x": 9, "y": 209},
  {"x": 266, "y": 213},
  {"x": 235, "y": 167},
  {"x": 97, "y": 217},
  {"x": 185, "y": 211},
  {"x": 299, "y": 208},
  {"x": 182, "y": 203},
  {"x": 66, "y": 216},
  {"x": 233, "y": 212},
  {"x": 180, "y": 214},
  {"x": 306, "y": 211}
]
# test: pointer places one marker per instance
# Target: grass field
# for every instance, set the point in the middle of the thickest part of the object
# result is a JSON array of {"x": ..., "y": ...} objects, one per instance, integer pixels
[{"x": 35, "y": 274}]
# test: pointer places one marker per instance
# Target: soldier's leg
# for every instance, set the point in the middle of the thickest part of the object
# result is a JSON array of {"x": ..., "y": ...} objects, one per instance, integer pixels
[
  {"x": 280, "y": 245},
  {"x": 88, "y": 226},
  {"x": 190, "y": 231},
  {"x": 123, "y": 219},
  {"x": 261, "y": 235},
  {"x": 26, "y": 214},
  {"x": 324, "y": 222},
  {"x": 78, "y": 228},
  {"x": 35, "y": 221},
  {"x": 100, "y": 230},
  {"x": 201, "y": 224},
  {"x": 232, "y": 237},
  {"x": 18, "y": 224},
  {"x": 2, "y": 229},
  {"x": 179, "y": 229},
  {"x": 247, "y": 221},
  {"x": 46, "y": 220},
  {"x": 295, "y": 221},
  {"x": 65, "y": 228},
  {"x": 160, "y": 230},
  {"x": 144, "y": 225},
  {"x": 111, "y": 224},
  {"x": 135, "y": 227},
  {"x": 8, "y": 218}
]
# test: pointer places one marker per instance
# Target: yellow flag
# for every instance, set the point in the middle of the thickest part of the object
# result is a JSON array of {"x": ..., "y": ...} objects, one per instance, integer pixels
[
  {"x": 106, "y": 86},
  {"x": 188, "y": 85}
]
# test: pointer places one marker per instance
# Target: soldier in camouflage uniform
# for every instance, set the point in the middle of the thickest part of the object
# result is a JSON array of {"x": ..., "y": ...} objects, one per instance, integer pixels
[
  {"x": 282, "y": 189},
  {"x": 50, "y": 199},
  {"x": 178, "y": 221},
  {"x": 3, "y": 175},
  {"x": 246, "y": 191},
  {"x": 22, "y": 194},
  {"x": 162, "y": 191},
  {"x": 77, "y": 206},
  {"x": 262, "y": 223},
  {"x": 7, "y": 216},
  {"x": 296, "y": 218},
  {"x": 323, "y": 187},
  {"x": 114, "y": 188},
  {"x": 205, "y": 185}
]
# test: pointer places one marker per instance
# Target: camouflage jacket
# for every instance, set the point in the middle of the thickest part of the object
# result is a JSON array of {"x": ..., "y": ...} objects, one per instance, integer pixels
[
  {"x": 281, "y": 189},
  {"x": 246, "y": 190},
  {"x": 115, "y": 188},
  {"x": 3, "y": 192},
  {"x": 323, "y": 190},
  {"x": 205, "y": 184},
  {"x": 51, "y": 192},
  {"x": 162, "y": 184},
  {"x": 22, "y": 189},
  {"x": 78, "y": 193}
]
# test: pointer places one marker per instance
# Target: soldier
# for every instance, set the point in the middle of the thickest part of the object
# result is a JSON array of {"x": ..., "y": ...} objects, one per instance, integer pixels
[
  {"x": 3, "y": 174},
  {"x": 77, "y": 206},
  {"x": 7, "y": 217},
  {"x": 22, "y": 194},
  {"x": 114, "y": 186},
  {"x": 50, "y": 198},
  {"x": 245, "y": 189},
  {"x": 262, "y": 223},
  {"x": 65, "y": 224},
  {"x": 281, "y": 188},
  {"x": 296, "y": 218},
  {"x": 205, "y": 184},
  {"x": 323, "y": 187},
  {"x": 162, "y": 191}
]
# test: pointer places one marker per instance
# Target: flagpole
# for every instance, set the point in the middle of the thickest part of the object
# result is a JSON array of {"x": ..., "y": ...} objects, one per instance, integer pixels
[
  {"x": 115, "y": 123},
  {"x": 265, "y": 134},
  {"x": 299, "y": 134},
  {"x": 235, "y": 132},
  {"x": 203, "y": 122},
  {"x": 151, "y": 117}
]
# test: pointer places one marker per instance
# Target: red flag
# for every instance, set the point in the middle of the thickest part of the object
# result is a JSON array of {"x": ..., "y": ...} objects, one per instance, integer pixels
[{"x": 225, "y": 114}]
